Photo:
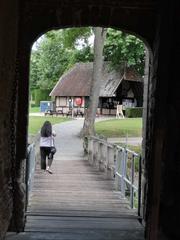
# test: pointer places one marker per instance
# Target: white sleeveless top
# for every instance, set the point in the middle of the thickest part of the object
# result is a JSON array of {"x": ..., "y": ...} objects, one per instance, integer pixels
[{"x": 47, "y": 141}]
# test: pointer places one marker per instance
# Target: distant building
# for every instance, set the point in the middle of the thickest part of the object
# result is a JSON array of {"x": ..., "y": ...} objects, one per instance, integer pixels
[{"x": 73, "y": 89}]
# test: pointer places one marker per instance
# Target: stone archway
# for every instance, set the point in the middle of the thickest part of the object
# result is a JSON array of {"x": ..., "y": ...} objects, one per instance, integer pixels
[
  {"x": 148, "y": 20},
  {"x": 51, "y": 16}
]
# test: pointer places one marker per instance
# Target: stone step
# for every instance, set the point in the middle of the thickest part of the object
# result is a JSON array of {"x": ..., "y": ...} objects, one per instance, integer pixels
[{"x": 79, "y": 234}]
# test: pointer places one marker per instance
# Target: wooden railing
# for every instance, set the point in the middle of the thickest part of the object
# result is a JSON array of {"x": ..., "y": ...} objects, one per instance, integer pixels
[
  {"x": 33, "y": 157},
  {"x": 30, "y": 169},
  {"x": 118, "y": 163}
]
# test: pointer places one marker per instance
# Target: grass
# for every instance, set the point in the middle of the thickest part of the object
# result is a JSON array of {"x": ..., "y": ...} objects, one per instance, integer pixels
[
  {"x": 35, "y": 123},
  {"x": 134, "y": 148},
  {"x": 120, "y": 127},
  {"x": 34, "y": 109},
  {"x": 131, "y": 127}
]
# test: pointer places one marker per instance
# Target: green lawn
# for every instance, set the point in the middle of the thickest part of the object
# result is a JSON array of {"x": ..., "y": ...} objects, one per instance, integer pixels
[
  {"x": 120, "y": 127},
  {"x": 34, "y": 109},
  {"x": 134, "y": 148},
  {"x": 35, "y": 123}
]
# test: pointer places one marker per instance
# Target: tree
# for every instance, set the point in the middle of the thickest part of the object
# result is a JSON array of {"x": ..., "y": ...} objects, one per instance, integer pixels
[
  {"x": 60, "y": 50},
  {"x": 88, "y": 128},
  {"x": 81, "y": 55},
  {"x": 34, "y": 70},
  {"x": 77, "y": 40},
  {"x": 56, "y": 53},
  {"x": 53, "y": 60},
  {"x": 73, "y": 38},
  {"x": 123, "y": 49}
]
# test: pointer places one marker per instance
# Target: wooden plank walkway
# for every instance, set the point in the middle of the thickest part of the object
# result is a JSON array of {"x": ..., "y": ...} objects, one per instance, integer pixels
[{"x": 77, "y": 202}]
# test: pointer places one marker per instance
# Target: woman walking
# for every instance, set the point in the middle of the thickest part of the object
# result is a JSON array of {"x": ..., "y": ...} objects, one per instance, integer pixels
[{"x": 47, "y": 148}]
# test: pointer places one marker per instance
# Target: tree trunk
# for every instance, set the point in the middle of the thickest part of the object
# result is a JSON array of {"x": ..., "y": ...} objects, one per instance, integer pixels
[{"x": 88, "y": 128}]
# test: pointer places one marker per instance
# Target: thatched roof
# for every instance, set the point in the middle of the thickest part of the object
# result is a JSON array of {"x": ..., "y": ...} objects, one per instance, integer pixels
[
  {"x": 131, "y": 74},
  {"x": 76, "y": 82}
]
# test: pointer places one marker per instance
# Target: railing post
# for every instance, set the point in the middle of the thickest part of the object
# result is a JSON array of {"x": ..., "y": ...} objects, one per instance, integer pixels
[
  {"x": 90, "y": 151},
  {"x": 105, "y": 157},
  {"x": 110, "y": 163},
  {"x": 114, "y": 162},
  {"x": 101, "y": 165},
  {"x": 95, "y": 158},
  {"x": 93, "y": 151},
  {"x": 98, "y": 154},
  {"x": 132, "y": 183},
  {"x": 118, "y": 179},
  {"x": 123, "y": 173},
  {"x": 107, "y": 166},
  {"x": 139, "y": 186}
]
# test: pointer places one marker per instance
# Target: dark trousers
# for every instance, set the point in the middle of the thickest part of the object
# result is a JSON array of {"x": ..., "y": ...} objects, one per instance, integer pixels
[{"x": 45, "y": 153}]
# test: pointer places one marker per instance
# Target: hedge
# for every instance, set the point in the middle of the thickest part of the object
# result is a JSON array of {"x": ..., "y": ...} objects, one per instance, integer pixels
[
  {"x": 41, "y": 95},
  {"x": 135, "y": 112},
  {"x": 33, "y": 105}
]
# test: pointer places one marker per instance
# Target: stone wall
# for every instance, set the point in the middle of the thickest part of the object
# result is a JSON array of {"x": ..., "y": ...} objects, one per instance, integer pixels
[
  {"x": 168, "y": 120},
  {"x": 8, "y": 47},
  {"x": 162, "y": 153},
  {"x": 163, "y": 131}
]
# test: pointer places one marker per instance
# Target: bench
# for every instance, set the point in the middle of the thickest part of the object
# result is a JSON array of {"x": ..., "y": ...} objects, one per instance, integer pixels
[
  {"x": 56, "y": 113},
  {"x": 48, "y": 112},
  {"x": 79, "y": 113}
]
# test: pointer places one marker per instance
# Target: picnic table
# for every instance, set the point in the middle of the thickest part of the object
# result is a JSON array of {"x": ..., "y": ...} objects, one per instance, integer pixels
[
  {"x": 60, "y": 112},
  {"x": 79, "y": 113},
  {"x": 52, "y": 113},
  {"x": 75, "y": 113}
]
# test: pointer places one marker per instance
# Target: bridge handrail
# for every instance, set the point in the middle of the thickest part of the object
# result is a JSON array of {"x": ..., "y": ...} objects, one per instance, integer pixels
[
  {"x": 30, "y": 169},
  {"x": 113, "y": 159}
]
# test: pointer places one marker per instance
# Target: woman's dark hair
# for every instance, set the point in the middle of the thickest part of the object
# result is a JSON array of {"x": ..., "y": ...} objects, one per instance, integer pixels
[{"x": 46, "y": 130}]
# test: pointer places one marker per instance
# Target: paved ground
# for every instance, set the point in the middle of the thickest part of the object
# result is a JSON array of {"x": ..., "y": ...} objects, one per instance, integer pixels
[
  {"x": 129, "y": 141},
  {"x": 69, "y": 145},
  {"x": 38, "y": 114}
]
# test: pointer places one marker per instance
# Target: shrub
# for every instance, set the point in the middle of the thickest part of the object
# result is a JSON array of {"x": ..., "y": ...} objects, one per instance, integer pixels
[
  {"x": 135, "y": 112},
  {"x": 34, "y": 105},
  {"x": 40, "y": 95}
]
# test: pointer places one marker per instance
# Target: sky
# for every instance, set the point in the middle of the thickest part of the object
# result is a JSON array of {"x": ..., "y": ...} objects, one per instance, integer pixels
[{"x": 91, "y": 42}]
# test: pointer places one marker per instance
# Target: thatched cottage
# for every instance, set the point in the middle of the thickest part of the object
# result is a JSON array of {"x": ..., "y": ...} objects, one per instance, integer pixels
[{"x": 73, "y": 89}]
